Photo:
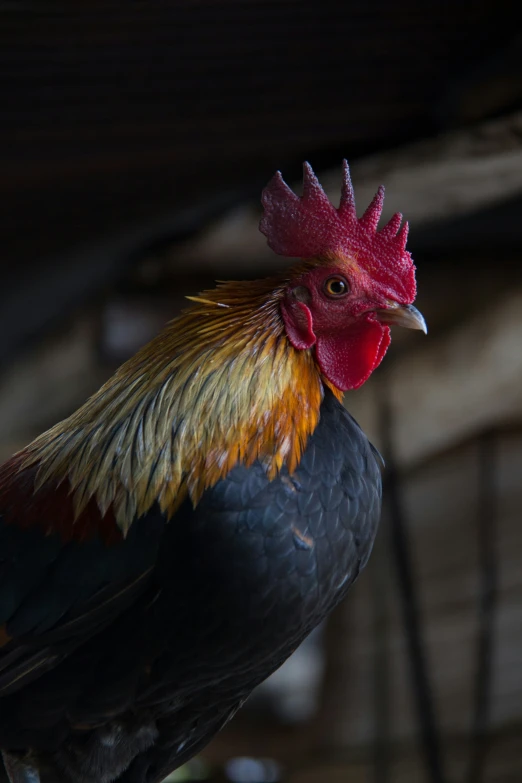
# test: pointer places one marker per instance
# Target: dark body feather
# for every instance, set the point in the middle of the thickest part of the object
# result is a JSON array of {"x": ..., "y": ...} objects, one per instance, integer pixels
[{"x": 126, "y": 659}]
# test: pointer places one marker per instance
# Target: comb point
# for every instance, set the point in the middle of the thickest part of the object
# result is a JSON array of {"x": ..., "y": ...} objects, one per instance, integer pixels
[
  {"x": 372, "y": 215},
  {"x": 347, "y": 203},
  {"x": 312, "y": 188},
  {"x": 275, "y": 187},
  {"x": 402, "y": 236},
  {"x": 391, "y": 228}
]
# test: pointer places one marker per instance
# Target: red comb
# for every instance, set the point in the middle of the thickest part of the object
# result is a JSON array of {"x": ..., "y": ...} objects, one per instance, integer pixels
[{"x": 310, "y": 226}]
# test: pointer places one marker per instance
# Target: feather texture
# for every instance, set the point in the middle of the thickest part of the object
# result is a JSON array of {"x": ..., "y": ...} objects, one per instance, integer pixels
[
  {"x": 124, "y": 660},
  {"x": 221, "y": 385}
]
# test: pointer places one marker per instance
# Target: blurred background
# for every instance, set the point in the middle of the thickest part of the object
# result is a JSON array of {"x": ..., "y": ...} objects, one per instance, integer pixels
[{"x": 135, "y": 138}]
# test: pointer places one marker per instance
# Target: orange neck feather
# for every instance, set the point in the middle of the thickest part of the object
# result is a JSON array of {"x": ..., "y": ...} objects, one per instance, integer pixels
[{"x": 220, "y": 385}]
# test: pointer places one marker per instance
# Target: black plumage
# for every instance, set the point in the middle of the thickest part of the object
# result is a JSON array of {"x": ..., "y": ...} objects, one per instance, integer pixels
[{"x": 126, "y": 659}]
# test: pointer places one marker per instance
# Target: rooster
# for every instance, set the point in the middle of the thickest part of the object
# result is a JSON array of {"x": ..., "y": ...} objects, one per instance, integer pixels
[{"x": 166, "y": 547}]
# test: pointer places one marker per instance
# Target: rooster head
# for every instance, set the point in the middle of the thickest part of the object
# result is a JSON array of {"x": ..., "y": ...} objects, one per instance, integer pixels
[{"x": 358, "y": 280}]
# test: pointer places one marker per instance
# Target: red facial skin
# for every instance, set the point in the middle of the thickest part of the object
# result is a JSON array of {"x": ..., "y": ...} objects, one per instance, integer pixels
[{"x": 349, "y": 340}]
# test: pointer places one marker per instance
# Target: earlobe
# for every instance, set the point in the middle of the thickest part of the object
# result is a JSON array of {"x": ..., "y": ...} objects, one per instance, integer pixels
[{"x": 298, "y": 323}]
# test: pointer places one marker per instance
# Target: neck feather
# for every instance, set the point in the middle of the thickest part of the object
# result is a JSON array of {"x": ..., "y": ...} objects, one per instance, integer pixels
[{"x": 221, "y": 385}]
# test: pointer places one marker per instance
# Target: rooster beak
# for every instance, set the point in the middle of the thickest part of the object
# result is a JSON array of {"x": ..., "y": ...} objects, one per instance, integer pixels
[{"x": 402, "y": 315}]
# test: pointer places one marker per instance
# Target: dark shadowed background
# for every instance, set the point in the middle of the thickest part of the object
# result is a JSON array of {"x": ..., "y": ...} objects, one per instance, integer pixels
[{"x": 135, "y": 138}]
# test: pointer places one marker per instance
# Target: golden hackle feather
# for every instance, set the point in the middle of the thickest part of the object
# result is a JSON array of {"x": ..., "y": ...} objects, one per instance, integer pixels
[{"x": 220, "y": 385}]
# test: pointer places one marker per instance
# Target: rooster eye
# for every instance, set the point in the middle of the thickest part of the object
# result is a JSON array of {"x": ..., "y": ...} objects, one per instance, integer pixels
[{"x": 336, "y": 287}]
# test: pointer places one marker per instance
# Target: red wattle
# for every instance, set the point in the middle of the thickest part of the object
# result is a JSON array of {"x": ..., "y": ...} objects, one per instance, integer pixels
[{"x": 348, "y": 357}]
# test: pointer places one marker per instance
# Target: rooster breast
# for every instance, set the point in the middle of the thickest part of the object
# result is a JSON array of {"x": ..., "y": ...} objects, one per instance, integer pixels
[{"x": 238, "y": 584}]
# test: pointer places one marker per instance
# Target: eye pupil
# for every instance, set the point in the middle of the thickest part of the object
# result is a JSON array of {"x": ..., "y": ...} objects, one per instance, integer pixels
[{"x": 336, "y": 286}]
